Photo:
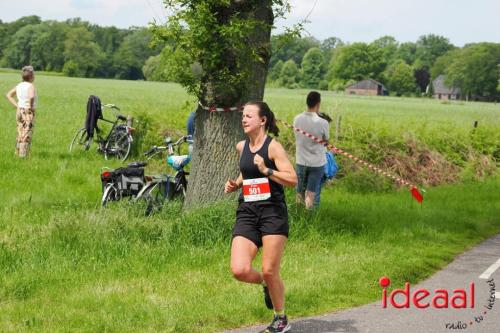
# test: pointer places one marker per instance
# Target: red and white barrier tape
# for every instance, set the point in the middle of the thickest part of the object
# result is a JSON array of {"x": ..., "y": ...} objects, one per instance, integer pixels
[
  {"x": 413, "y": 189},
  {"x": 216, "y": 109}
]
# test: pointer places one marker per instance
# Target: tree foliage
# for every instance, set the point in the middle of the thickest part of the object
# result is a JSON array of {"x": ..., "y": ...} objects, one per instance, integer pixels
[
  {"x": 81, "y": 53},
  {"x": 429, "y": 48},
  {"x": 290, "y": 74},
  {"x": 219, "y": 36},
  {"x": 132, "y": 54},
  {"x": 400, "y": 79},
  {"x": 313, "y": 68},
  {"x": 356, "y": 62},
  {"x": 475, "y": 70},
  {"x": 47, "y": 46}
]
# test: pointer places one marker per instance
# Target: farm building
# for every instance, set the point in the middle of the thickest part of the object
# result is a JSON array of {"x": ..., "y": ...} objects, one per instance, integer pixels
[
  {"x": 441, "y": 91},
  {"x": 368, "y": 87}
]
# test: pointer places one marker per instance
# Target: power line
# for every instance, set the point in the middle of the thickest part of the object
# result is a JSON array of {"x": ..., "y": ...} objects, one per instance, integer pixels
[
  {"x": 310, "y": 12},
  {"x": 155, "y": 14}
]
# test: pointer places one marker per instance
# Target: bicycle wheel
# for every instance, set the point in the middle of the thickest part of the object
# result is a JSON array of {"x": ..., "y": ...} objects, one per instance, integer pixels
[
  {"x": 180, "y": 185},
  {"x": 118, "y": 145},
  {"x": 110, "y": 194},
  {"x": 80, "y": 141},
  {"x": 154, "y": 197},
  {"x": 181, "y": 191}
]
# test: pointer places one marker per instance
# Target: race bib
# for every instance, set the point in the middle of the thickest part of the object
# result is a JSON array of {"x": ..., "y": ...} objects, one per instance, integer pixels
[{"x": 256, "y": 189}]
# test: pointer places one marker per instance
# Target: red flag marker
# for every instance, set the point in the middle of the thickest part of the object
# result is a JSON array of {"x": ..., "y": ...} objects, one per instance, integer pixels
[{"x": 417, "y": 195}]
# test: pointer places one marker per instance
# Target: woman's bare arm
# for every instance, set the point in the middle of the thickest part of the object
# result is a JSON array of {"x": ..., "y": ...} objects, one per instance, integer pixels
[
  {"x": 285, "y": 174},
  {"x": 10, "y": 96}
]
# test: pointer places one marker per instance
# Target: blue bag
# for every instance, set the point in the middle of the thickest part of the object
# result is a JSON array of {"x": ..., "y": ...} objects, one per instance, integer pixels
[{"x": 331, "y": 166}]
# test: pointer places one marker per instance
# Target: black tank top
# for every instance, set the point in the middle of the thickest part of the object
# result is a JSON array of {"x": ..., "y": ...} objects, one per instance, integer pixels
[{"x": 250, "y": 171}]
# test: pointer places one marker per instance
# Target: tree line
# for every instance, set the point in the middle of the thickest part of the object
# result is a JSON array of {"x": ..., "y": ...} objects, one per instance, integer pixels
[
  {"x": 78, "y": 48},
  {"x": 75, "y": 48},
  {"x": 404, "y": 68}
]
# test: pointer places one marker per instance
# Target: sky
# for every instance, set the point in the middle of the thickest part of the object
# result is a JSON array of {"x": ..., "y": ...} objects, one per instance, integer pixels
[{"x": 462, "y": 21}]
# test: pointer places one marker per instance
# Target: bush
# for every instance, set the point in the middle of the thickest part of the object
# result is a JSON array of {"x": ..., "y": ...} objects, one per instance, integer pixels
[
  {"x": 72, "y": 69},
  {"x": 323, "y": 85}
]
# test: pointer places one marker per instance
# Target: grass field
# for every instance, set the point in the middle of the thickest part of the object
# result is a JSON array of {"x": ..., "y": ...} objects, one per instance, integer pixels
[{"x": 66, "y": 265}]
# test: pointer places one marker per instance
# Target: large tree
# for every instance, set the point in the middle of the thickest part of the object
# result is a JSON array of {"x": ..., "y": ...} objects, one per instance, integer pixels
[
  {"x": 389, "y": 46},
  {"x": 429, "y": 48},
  {"x": 230, "y": 42},
  {"x": 18, "y": 53},
  {"x": 132, "y": 54},
  {"x": 286, "y": 47},
  {"x": 81, "y": 54},
  {"x": 290, "y": 75},
  {"x": 48, "y": 46},
  {"x": 313, "y": 68},
  {"x": 475, "y": 71},
  {"x": 356, "y": 62},
  {"x": 400, "y": 79}
]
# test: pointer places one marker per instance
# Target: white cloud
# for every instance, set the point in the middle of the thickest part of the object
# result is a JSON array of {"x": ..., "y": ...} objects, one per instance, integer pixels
[
  {"x": 121, "y": 13},
  {"x": 364, "y": 20},
  {"x": 462, "y": 21}
]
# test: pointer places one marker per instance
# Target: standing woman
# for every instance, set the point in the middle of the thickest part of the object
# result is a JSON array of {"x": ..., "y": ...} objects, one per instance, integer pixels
[
  {"x": 262, "y": 217},
  {"x": 25, "y": 105}
]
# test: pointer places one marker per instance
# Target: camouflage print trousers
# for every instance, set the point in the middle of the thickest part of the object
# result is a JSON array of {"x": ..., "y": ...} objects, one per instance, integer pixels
[{"x": 25, "y": 123}]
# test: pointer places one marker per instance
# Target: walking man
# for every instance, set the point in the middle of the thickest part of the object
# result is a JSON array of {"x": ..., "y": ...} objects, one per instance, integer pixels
[{"x": 310, "y": 155}]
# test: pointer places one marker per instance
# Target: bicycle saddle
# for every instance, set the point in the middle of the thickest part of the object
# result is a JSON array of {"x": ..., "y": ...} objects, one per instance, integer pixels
[
  {"x": 137, "y": 164},
  {"x": 121, "y": 117},
  {"x": 178, "y": 162}
]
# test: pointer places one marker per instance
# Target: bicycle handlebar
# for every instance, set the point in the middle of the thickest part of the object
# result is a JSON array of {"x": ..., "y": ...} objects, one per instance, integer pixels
[
  {"x": 170, "y": 146},
  {"x": 185, "y": 138},
  {"x": 111, "y": 106},
  {"x": 151, "y": 151}
]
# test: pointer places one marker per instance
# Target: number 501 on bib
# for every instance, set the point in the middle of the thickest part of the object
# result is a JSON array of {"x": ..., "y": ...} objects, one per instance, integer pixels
[{"x": 256, "y": 189}]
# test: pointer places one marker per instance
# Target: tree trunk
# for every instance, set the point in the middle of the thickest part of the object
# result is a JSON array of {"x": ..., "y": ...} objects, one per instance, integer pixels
[{"x": 215, "y": 159}]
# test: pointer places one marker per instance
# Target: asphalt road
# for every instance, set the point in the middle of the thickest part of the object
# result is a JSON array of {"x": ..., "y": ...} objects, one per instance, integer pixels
[{"x": 480, "y": 265}]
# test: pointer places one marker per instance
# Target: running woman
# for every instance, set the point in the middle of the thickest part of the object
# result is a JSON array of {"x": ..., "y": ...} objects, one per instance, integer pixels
[{"x": 262, "y": 217}]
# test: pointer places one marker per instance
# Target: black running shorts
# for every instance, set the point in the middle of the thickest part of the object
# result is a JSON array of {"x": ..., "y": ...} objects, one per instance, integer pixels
[{"x": 261, "y": 218}]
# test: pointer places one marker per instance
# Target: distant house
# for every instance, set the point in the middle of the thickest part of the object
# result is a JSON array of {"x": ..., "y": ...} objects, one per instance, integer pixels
[
  {"x": 368, "y": 87},
  {"x": 441, "y": 91}
]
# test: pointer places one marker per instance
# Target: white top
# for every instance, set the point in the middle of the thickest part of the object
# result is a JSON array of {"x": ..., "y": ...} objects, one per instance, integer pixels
[
  {"x": 22, "y": 93},
  {"x": 308, "y": 152}
]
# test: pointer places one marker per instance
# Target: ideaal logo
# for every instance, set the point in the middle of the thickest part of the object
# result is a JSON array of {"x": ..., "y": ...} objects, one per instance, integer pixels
[{"x": 439, "y": 299}]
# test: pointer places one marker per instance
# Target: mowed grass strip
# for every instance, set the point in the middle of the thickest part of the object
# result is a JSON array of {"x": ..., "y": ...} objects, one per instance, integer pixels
[{"x": 68, "y": 265}]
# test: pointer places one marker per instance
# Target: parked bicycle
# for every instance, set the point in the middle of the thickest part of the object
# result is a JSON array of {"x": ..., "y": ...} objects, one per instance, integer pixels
[
  {"x": 122, "y": 182},
  {"x": 161, "y": 188},
  {"x": 116, "y": 143}
]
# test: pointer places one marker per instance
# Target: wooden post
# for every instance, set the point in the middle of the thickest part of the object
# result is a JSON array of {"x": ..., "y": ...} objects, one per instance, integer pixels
[{"x": 337, "y": 128}]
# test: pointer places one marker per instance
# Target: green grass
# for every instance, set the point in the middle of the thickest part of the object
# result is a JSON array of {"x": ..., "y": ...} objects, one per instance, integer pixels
[{"x": 67, "y": 265}]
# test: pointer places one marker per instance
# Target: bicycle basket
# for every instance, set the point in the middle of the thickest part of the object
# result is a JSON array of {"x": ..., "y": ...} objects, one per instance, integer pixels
[
  {"x": 131, "y": 180},
  {"x": 128, "y": 181}
]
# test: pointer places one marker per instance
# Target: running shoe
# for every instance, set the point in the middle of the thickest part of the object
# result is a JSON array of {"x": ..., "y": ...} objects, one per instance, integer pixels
[
  {"x": 267, "y": 298},
  {"x": 279, "y": 325}
]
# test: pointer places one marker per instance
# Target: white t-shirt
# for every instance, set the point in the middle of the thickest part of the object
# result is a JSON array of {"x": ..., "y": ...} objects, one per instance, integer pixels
[
  {"x": 308, "y": 152},
  {"x": 22, "y": 93}
]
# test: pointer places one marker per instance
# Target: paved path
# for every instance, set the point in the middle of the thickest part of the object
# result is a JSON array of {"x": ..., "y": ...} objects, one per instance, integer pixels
[{"x": 478, "y": 265}]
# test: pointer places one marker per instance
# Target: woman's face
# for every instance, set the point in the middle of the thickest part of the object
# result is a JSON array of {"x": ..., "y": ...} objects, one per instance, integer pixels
[{"x": 251, "y": 120}]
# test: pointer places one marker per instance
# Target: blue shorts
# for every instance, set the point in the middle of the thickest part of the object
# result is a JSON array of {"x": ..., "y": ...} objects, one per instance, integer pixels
[{"x": 310, "y": 179}]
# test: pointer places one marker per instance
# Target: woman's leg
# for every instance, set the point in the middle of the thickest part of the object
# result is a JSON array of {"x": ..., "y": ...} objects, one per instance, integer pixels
[
  {"x": 19, "y": 122},
  {"x": 272, "y": 252},
  {"x": 243, "y": 252},
  {"x": 25, "y": 132}
]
